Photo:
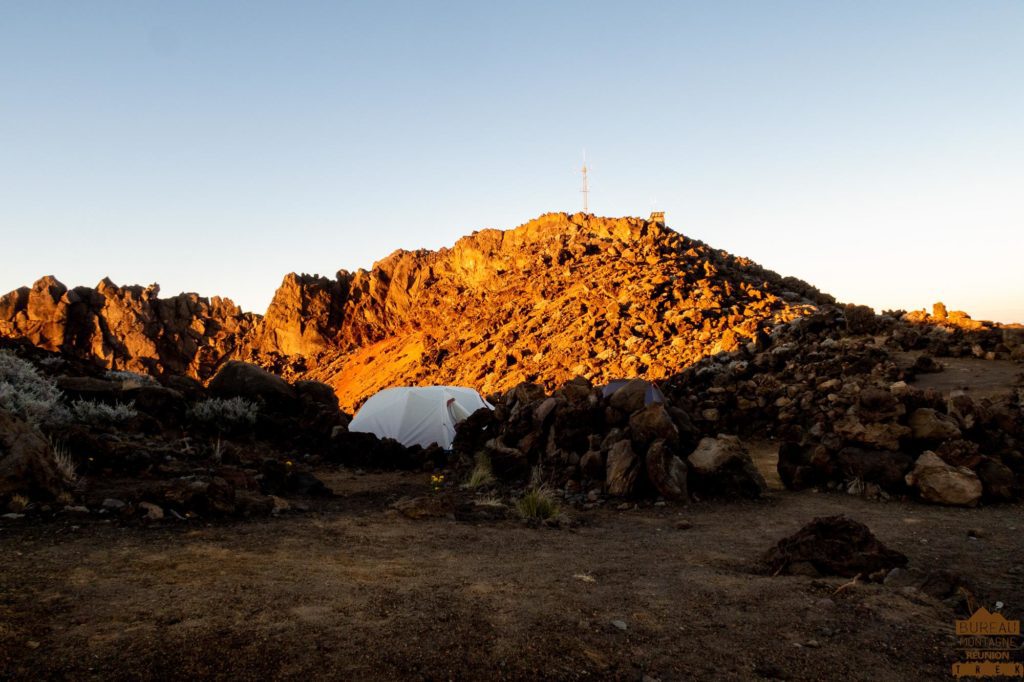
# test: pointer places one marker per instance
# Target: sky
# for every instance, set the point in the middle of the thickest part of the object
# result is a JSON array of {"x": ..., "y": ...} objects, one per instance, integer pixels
[{"x": 873, "y": 148}]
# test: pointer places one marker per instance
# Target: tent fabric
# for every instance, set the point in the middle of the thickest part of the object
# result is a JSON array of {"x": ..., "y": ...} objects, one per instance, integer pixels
[
  {"x": 653, "y": 394},
  {"x": 421, "y": 415}
]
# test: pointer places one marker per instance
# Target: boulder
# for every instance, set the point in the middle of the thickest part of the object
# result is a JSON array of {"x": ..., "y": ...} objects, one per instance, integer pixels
[
  {"x": 150, "y": 511},
  {"x": 998, "y": 482},
  {"x": 931, "y": 425},
  {"x": 666, "y": 472},
  {"x": 631, "y": 397},
  {"x": 622, "y": 469},
  {"x": 27, "y": 464},
  {"x": 652, "y": 423},
  {"x": 592, "y": 465},
  {"x": 833, "y": 545},
  {"x": 878, "y": 404},
  {"x": 507, "y": 463},
  {"x": 804, "y": 466},
  {"x": 722, "y": 468},
  {"x": 941, "y": 483},
  {"x": 524, "y": 394},
  {"x": 317, "y": 393},
  {"x": 90, "y": 388},
  {"x": 886, "y": 469},
  {"x": 203, "y": 495},
  {"x": 240, "y": 379},
  {"x": 883, "y": 435},
  {"x": 160, "y": 402}
]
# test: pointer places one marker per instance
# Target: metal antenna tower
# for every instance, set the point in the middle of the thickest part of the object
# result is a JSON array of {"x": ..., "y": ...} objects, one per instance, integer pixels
[{"x": 586, "y": 186}]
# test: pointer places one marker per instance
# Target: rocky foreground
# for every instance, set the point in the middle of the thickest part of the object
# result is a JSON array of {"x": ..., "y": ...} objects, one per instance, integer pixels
[{"x": 836, "y": 392}]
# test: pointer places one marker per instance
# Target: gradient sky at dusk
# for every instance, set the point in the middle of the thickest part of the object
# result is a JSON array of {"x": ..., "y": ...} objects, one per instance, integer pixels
[{"x": 873, "y": 148}]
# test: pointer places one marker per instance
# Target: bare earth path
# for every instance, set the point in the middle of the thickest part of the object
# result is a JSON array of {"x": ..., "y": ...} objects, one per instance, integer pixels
[{"x": 356, "y": 592}]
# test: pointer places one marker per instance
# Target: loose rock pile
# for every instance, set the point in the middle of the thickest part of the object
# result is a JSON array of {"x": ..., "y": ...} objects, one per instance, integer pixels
[
  {"x": 622, "y": 444},
  {"x": 831, "y": 389}
]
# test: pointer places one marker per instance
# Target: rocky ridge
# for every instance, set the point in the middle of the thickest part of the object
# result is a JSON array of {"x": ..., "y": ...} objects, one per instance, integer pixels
[
  {"x": 558, "y": 297},
  {"x": 127, "y": 327}
]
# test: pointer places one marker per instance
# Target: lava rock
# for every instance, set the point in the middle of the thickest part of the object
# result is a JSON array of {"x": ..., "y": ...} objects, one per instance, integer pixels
[
  {"x": 722, "y": 467},
  {"x": 942, "y": 483},
  {"x": 666, "y": 472},
  {"x": 833, "y": 545},
  {"x": 622, "y": 469},
  {"x": 27, "y": 465}
]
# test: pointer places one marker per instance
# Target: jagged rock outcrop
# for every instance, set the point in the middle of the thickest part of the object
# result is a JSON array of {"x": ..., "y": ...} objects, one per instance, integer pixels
[
  {"x": 127, "y": 327},
  {"x": 305, "y": 316}
]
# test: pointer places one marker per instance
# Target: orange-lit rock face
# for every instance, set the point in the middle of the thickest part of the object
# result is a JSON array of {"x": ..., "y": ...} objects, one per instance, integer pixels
[
  {"x": 560, "y": 296},
  {"x": 557, "y": 297},
  {"x": 127, "y": 327}
]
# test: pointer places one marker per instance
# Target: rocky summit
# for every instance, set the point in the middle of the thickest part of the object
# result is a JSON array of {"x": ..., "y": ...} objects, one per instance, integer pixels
[{"x": 558, "y": 297}]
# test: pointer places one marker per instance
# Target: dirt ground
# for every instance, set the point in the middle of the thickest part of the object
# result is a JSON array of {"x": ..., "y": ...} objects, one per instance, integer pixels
[
  {"x": 980, "y": 378},
  {"x": 355, "y": 591}
]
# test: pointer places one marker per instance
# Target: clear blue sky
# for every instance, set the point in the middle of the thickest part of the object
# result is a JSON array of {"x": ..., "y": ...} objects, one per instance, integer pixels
[{"x": 873, "y": 148}]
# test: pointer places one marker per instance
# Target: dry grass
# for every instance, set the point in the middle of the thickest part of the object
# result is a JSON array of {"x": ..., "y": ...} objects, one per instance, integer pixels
[
  {"x": 489, "y": 501},
  {"x": 482, "y": 475},
  {"x": 17, "y": 503},
  {"x": 537, "y": 503},
  {"x": 65, "y": 464}
]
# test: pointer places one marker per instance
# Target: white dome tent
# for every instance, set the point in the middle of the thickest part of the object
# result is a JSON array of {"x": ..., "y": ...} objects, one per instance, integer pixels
[{"x": 417, "y": 415}]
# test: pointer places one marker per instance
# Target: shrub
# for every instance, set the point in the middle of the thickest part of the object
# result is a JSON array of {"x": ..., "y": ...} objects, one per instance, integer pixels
[
  {"x": 91, "y": 412},
  {"x": 27, "y": 394},
  {"x": 130, "y": 377},
  {"x": 482, "y": 474},
  {"x": 224, "y": 411},
  {"x": 537, "y": 504}
]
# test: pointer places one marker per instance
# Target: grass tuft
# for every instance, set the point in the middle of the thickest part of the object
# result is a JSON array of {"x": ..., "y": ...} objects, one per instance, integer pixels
[
  {"x": 537, "y": 503},
  {"x": 482, "y": 475},
  {"x": 65, "y": 464}
]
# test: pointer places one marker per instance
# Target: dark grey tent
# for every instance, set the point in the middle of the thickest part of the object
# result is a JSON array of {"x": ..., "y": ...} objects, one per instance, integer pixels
[{"x": 652, "y": 395}]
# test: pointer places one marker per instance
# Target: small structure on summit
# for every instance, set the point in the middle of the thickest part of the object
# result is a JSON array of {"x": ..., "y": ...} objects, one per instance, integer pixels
[{"x": 657, "y": 217}]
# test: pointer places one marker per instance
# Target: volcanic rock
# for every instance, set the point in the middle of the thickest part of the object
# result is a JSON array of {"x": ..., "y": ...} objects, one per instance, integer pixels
[
  {"x": 622, "y": 469},
  {"x": 592, "y": 465},
  {"x": 941, "y": 483},
  {"x": 27, "y": 465},
  {"x": 833, "y": 545},
  {"x": 242, "y": 380},
  {"x": 127, "y": 327},
  {"x": 560, "y": 296},
  {"x": 885, "y": 469},
  {"x": 998, "y": 482},
  {"x": 631, "y": 396},
  {"x": 931, "y": 425},
  {"x": 883, "y": 435},
  {"x": 722, "y": 467},
  {"x": 652, "y": 423},
  {"x": 666, "y": 472}
]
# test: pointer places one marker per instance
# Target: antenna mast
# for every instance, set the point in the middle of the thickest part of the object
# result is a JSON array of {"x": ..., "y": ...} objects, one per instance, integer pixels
[{"x": 586, "y": 187}]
